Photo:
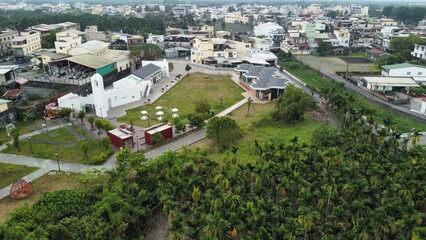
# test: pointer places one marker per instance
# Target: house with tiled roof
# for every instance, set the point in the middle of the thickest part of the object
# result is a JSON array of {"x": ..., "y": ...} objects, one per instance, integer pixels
[
  {"x": 267, "y": 82},
  {"x": 404, "y": 70}
]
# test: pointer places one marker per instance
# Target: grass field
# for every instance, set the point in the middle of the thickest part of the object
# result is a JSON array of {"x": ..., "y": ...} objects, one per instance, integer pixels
[
  {"x": 270, "y": 132},
  {"x": 47, "y": 183},
  {"x": 184, "y": 93},
  {"x": 25, "y": 128},
  {"x": 331, "y": 64},
  {"x": 10, "y": 173},
  {"x": 63, "y": 142},
  {"x": 312, "y": 79}
]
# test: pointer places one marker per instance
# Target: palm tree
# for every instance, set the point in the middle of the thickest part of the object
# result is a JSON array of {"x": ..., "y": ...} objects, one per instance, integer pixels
[
  {"x": 249, "y": 101},
  {"x": 415, "y": 137}
]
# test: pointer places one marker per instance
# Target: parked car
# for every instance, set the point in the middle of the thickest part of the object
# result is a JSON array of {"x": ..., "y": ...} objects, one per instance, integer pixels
[{"x": 10, "y": 58}]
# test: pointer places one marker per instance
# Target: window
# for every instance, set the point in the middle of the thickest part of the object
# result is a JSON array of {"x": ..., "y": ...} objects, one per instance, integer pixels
[
  {"x": 408, "y": 73},
  {"x": 419, "y": 73}
]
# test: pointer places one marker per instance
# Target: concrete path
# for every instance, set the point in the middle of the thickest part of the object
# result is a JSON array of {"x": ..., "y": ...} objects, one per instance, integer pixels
[{"x": 177, "y": 144}]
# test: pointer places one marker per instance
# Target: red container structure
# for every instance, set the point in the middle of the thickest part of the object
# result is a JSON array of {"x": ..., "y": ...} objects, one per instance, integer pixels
[
  {"x": 165, "y": 130},
  {"x": 121, "y": 138}
]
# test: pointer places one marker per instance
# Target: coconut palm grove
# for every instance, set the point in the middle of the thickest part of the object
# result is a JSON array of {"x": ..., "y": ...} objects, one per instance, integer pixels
[{"x": 350, "y": 183}]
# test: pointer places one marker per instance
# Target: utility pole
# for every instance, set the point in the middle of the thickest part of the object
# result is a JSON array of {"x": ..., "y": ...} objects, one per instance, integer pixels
[{"x": 347, "y": 71}]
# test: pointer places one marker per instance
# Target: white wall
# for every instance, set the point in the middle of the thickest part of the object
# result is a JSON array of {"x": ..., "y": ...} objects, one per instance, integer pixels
[
  {"x": 72, "y": 100},
  {"x": 403, "y": 72},
  {"x": 104, "y": 100},
  {"x": 162, "y": 64},
  {"x": 266, "y": 29}
]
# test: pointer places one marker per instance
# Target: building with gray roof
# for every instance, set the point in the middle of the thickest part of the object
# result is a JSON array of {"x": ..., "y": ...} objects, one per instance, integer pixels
[{"x": 267, "y": 82}]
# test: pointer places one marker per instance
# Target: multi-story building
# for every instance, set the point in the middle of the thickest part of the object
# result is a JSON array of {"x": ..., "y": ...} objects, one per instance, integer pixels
[
  {"x": 419, "y": 51},
  {"x": 5, "y": 42},
  {"x": 67, "y": 40},
  {"x": 236, "y": 17},
  {"x": 155, "y": 39},
  {"x": 204, "y": 30},
  {"x": 92, "y": 33},
  {"x": 179, "y": 40},
  {"x": 44, "y": 29},
  {"x": 27, "y": 43}
]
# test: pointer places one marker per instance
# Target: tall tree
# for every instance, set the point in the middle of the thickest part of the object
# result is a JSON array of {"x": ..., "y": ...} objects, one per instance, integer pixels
[
  {"x": 291, "y": 105},
  {"x": 223, "y": 131}
]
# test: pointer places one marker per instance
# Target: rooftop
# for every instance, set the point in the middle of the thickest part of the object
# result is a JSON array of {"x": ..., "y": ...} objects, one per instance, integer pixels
[
  {"x": 121, "y": 133},
  {"x": 401, "y": 65},
  {"x": 146, "y": 71},
  {"x": 158, "y": 129},
  {"x": 266, "y": 77},
  {"x": 90, "y": 61},
  {"x": 388, "y": 81}
]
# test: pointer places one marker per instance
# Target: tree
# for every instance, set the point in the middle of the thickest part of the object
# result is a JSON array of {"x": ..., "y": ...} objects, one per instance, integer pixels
[
  {"x": 65, "y": 113},
  {"x": 84, "y": 145},
  {"x": 291, "y": 105},
  {"x": 223, "y": 24},
  {"x": 404, "y": 45},
  {"x": 157, "y": 138},
  {"x": 81, "y": 115},
  {"x": 196, "y": 120},
  {"x": 28, "y": 116},
  {"x": 387, "y": 11},
  {"x": 179, "y": 125},
  {"x": 203, "y": 107},
  {"x": 49, "y": 41},
  {"x": 249, "y": 101},
  {"x": 223, "y": 131},
  {"x": 16, "y": 142},
  {"x": 187, "y": 68},
  {"x": 323, "y": 48},
  {"x": 231, "y": 9},
  {"x": 91, "y": 120},
  {"x": 332, "y": 14},
  {"x": 105, "y": 143},
  {"x": 146, "y": 51}
]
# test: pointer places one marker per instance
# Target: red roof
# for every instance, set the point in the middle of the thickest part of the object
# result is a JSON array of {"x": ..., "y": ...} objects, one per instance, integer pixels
[
  {"x": 11, "y": 94},
  {"x": 375, "y": 51},
  {"x": 21, "y": 81}
]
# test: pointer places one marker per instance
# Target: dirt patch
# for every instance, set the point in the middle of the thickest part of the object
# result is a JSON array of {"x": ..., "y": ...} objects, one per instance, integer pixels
[
  {"x": 50, "y": 182},
  {"x": 355, "y": 60},
  {"x": 158, "y": 227}
]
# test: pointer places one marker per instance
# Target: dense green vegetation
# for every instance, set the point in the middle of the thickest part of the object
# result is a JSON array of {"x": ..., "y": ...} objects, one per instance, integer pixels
[
  {"x": 21, "y": 20},
  {"x": 406, "y": 14},
  {"x": 361, "y": 187},
  {"x": 312, "y": 79}
]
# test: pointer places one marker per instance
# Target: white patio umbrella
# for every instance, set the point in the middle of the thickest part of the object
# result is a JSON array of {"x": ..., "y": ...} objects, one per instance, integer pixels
[
  {"x": 175, "y": 115},
  {"x": 159, "y": 113},
  {"x": 158, "y": 107},
  {"x": 144, "y": 118},
  {"x": 160, "y": 118},
  {"x": 175, "y": 109},
  {"x": 144, "y": 112}
]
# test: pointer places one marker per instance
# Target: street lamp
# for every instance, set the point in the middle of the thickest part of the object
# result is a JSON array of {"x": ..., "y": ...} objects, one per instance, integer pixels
[
  {"x": 57, "y": 160},
  {"x": 31, "y": 146},
  {"x": 45, "y": 124},
  {"x": 137, "y": 143}
]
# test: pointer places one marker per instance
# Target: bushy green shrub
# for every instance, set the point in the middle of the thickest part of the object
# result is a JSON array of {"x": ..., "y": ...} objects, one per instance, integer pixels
[
  {"x": 102, "y": 157},
  {"x": 104, "y": 124}
]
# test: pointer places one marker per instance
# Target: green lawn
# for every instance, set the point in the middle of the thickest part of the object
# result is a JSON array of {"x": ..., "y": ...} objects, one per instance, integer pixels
[
  {"x": 10, "y": 173},
  {"x": 270, "y": 132},
  {"x": 184, "y": 93},
  {"x": 68, "y": 146},
  {"x": 312, "y": 79},
  {"x": 25, "y": 128}
]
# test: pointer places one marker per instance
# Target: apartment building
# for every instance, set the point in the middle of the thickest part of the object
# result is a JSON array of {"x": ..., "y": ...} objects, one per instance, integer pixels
[
  {"x": 5, "y": 42},
  {"x": 203, "y": 30},
  {"x": 236, "y": 17},
  {"x": 92, "y": 33},
  {"x": 67, "y": 40},
  {"x": 27, "y": 43}
]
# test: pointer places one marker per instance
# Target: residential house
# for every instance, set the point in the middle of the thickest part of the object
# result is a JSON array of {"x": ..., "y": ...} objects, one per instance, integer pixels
[
  {"x": 92, "y": 33},
  {"x": 237, "y": 17},
  {"x": 266, "y": 82},
  {"x": 419, "y": 51},
  {"x": 26, "y": 43},
  {"x": 201, "y": 30},
  {"x": 179, "y": 40},
  {"x": 67, "y": 40},
  {"x": 7, "y": 73},
  {"x": 155, "y": 39},
  {"x": 7, "y": 112},
  {"x": 5, "y": 42},
  {"x": 270, "y": 31},
  {"x": 373, "y": 54}
]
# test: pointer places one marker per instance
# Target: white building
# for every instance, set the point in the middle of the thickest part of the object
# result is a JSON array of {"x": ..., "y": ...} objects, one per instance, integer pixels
[
  {"x": 266, "y": 29},
  {"x": 5, "y": 42},
  {"x": 26, "y": 43},
  {"x": 418, "y": 105},
  {"x": 126, "y": 90},
  {"x": 389, "y": 83},
  {"x": 419, "y": 51},
  {"x": 155, "y": 39},
  {"x": 67, "y": 40},
  {"x": 404, "y": 70}
]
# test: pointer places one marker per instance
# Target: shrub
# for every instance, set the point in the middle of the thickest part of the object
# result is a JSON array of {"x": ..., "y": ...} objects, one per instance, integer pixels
[
  {"x": 104, "y": 124},
  {"x": 157, "y": 138},
  {"x": 102, "y": 157}
]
